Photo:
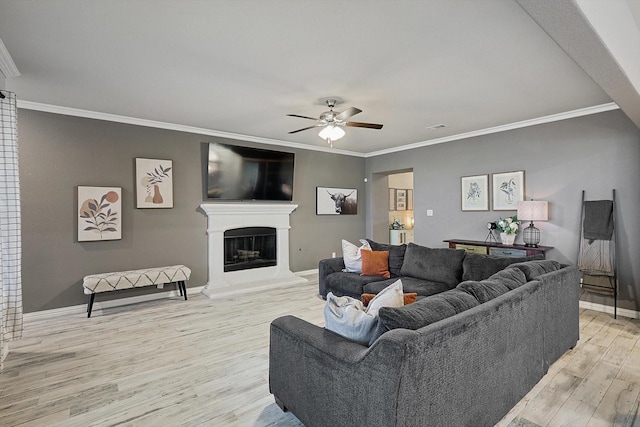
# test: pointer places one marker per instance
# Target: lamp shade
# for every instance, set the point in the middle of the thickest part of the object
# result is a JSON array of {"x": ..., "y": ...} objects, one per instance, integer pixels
[{"x": 533, "y": 210}]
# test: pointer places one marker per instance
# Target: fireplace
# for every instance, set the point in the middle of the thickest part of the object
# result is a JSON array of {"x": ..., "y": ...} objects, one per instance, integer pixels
[
  {"x": 230, "y": 225},
  {"x": 249, "y": 247}
]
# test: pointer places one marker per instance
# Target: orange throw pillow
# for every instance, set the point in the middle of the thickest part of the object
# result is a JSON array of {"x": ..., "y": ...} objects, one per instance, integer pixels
[
  {"x": 408, "y": 298},
  {"x": 375, "y": 263}
]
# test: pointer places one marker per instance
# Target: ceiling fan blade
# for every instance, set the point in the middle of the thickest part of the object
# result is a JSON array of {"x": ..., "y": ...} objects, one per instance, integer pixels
[
  {"x": 302, "y": 117},
  {"x": 363, "y": 125},
  {"x": 348, "y": 113},
  {"x": 300, "y": 130}
]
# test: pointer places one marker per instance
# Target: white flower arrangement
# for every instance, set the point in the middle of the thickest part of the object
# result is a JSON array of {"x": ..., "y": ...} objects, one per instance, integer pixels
[{"x": 508, "y": 225}]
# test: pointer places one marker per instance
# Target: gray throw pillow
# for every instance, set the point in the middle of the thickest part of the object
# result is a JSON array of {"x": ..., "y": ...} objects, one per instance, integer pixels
[
  {"x": 533, "y": 269},
  {"x": 427, "y": 310},
  {"x": 480, "y": 266},
  {"x": 483, "y": 291},
  {"x": 442, "y": 265},
  {"x": 396, "y": 255}
]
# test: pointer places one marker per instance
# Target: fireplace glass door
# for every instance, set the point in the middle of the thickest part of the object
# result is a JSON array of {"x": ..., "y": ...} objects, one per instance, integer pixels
[{"x": 249, "y": 247}]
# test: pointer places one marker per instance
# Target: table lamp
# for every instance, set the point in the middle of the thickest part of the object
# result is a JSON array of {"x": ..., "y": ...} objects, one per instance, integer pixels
[{"x": 532, "y": 211}]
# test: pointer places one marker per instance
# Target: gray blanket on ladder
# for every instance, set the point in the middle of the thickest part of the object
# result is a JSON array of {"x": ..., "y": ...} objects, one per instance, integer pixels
[{"x": 598, "y": 220}]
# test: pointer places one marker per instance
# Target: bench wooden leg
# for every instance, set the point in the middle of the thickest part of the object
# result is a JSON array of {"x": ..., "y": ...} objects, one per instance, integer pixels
[
  {"x": 183, "y": 288},
  {"x": 90, "y": 304}
]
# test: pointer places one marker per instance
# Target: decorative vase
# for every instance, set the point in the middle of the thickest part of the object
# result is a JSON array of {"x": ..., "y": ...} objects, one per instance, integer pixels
[
  {"x": 507, "y": 239},
  {"x": 157, "y": 197}
]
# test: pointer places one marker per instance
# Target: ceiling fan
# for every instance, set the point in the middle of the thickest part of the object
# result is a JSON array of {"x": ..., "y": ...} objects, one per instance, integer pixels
[{"x": 332, "y": 122}]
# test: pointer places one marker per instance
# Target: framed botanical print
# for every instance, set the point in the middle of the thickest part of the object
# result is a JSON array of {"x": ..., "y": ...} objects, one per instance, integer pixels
[
  {"x": 508, "y": 190},
  {"x": 474, "y": 191},
  {"x": 154, "y": 183}
]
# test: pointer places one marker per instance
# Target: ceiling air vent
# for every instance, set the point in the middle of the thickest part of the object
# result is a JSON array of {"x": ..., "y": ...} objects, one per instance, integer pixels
[{"x": 438, "y": 126}]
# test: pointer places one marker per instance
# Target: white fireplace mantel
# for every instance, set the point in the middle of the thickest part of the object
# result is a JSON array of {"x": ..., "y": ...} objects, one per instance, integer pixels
[{"x": 227, "y": 216}]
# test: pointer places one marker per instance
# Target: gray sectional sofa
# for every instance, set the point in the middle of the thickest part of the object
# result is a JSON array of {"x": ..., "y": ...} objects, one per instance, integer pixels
[
  {"x": 462, "y": 357},
  {"x": 425, "y": 271}
]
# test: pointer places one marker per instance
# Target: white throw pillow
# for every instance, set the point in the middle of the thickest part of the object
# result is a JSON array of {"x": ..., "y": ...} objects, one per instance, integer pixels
[
  {"x": 352, "y": 257},
  {"x": 348, "y": 317},
  {"x": 391, "y": 296}
]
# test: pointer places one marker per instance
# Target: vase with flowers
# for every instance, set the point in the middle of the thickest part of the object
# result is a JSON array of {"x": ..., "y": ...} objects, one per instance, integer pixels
[{"x": 508, "y": 227}]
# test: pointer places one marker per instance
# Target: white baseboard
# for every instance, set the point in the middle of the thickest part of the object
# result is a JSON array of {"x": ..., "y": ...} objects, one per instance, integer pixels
[
  {"x": 632, "y": 314},
  {"x": 307, "y": 272},
  {"x": 100, "y": 305},
  {"x": 79, "y": 309}
]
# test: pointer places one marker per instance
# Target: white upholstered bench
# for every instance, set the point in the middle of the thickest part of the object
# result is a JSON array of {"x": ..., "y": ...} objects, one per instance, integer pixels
[{"x": 106, "y": 282}]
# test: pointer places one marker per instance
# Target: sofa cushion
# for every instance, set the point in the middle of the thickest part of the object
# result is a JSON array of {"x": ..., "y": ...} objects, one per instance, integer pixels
[
  {"x": 533, "y": 269},
  {"x": 483, "y": 291},
  {"x": 409, "y": 284},
  {"x": 351, "y": 255},
  {"x": 349, "y": 317},
  {"x": 512, "y": 278},
  {"x": 480, "y": 266},
  {"x": 351, "y": 284},
  {"x": 427, "y": 310},
  {"x": 396, "y": 255},
  {"x": 496, "y": 285},
  {"x": 375, "y": 263},
  {"x": 436, "y": 265}
]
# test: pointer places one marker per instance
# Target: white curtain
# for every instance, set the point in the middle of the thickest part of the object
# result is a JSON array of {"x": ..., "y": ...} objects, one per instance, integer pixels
[{"x": 10, "y": 240}]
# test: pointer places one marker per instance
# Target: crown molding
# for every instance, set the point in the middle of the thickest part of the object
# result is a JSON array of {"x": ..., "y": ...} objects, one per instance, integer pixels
[
  {"x": 7, "y": 66},
  {"x": 503, "y": 128},
  {"x": 76, "y": 112},
  {"x": 56, "y": 109}
]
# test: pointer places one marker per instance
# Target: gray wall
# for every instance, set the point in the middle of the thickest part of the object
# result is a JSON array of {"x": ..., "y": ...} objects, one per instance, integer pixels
[
  {"x": 58, "y": 153},
  {"x": 596, "y": 153}
]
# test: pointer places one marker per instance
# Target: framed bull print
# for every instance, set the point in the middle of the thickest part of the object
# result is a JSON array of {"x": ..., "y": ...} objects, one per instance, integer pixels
[{"x": 336, "y": 201}]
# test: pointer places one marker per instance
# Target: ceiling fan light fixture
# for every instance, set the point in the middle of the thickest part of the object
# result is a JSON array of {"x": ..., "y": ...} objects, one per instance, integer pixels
[{"x": 331, "y": 132}]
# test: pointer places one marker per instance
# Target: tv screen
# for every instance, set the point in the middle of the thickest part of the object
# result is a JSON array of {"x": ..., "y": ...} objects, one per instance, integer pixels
[{"x": 245, "y": 173}]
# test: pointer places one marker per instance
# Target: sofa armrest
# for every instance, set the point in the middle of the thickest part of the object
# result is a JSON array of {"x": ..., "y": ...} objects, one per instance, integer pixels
[
  {"x": 325, "y": 268},
  {"x": 320, "y": 339},
  {"x": 562, "y": 294},
  {"x": 325, "y": 379}
]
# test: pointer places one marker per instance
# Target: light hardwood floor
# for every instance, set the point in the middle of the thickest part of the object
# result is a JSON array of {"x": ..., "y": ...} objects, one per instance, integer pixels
[{"x": 204, "y": 362}]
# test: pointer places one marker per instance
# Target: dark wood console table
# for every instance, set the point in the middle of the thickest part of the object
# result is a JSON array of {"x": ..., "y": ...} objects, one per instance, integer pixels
[{"x": 497, "y": 249}]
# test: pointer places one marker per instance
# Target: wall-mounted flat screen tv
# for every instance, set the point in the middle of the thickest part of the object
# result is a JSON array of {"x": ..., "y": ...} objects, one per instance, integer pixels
[{"x": 245, "y": 173}]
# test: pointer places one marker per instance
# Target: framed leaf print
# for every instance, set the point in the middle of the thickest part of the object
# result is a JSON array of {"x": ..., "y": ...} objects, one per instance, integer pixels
[{"x": 99, "y": 213}]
